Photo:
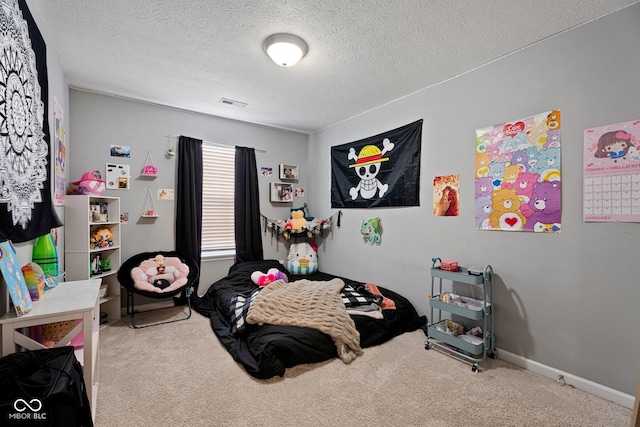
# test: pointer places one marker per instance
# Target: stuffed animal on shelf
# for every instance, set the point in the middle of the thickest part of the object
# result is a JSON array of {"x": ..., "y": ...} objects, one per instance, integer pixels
[
  {"x": 261, "y": 279},
  {"x": 101, "y": 238}
]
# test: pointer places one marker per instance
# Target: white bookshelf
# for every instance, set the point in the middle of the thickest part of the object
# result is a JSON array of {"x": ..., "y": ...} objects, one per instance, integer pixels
[{"x": 80, "y": 253}]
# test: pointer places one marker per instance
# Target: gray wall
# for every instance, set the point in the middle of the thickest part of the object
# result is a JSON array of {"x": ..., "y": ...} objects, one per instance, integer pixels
[
  {"x": 97, "y": 121},
  {"x": 569, "y": 301}
]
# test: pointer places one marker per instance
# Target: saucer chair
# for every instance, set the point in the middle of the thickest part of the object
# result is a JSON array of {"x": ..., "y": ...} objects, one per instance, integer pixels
[{"x": 127, "y": 282}]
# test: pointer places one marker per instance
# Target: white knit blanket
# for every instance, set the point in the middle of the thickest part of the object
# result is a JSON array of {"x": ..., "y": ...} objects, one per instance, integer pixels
[{"x": 310, "y": 304}]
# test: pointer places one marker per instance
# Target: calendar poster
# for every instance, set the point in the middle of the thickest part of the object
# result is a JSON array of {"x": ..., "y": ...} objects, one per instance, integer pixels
[{"x": 612, "y": 173}]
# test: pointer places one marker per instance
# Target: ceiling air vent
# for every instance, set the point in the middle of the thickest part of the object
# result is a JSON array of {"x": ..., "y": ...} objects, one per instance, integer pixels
[{"x": 232, "y": 102}]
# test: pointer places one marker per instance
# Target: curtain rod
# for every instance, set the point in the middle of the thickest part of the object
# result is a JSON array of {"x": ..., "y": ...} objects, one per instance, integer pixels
[{"x": 170, "y": 135}]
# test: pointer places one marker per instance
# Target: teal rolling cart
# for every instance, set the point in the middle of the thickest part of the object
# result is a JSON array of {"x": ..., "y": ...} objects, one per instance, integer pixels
[{"x": 447, "y": 334}]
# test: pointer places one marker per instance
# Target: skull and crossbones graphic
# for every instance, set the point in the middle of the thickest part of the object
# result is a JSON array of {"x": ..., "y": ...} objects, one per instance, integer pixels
[{"x": 367, "y": 165}]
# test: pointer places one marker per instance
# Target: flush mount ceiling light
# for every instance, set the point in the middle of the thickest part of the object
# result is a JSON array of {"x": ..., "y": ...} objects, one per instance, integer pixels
[{"x": 285, "y": 49}]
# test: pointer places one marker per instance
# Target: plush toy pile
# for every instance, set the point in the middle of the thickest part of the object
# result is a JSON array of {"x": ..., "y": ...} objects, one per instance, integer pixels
[
  {"x": 300, "y": 231},
  {"x": 300, "y": 226}
]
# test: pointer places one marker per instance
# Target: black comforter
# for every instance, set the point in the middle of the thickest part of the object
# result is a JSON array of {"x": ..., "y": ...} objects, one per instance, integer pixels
[{"x": 266, "y": 351}]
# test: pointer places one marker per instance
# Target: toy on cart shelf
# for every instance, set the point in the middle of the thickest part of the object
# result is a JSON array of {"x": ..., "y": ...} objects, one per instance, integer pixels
[
  {"x": 449, "y": 265},
  {"x": 446, "y": 265},
  {"x": 450, "y": 327}
]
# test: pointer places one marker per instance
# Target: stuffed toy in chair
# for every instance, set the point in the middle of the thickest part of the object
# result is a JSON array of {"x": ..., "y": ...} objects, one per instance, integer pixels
[{"x": 160, "y": 274}]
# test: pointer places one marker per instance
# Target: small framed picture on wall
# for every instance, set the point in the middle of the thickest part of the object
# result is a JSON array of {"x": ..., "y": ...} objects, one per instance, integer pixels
[
  {"x": 288, "y": 172},
  {"x": 281, "y": 193}
]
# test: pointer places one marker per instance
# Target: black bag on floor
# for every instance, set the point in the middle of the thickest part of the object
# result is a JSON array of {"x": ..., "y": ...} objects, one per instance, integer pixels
[{"x": 43, "y": 388}]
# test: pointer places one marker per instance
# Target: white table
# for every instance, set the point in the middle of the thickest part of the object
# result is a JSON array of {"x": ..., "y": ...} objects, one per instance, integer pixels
[{"x": 67, "y": 301}]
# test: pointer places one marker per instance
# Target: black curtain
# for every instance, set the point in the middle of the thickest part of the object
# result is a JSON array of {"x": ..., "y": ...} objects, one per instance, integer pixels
[
  {"x": 247, "y": 207},
  {"x": 189, "y": 200}
]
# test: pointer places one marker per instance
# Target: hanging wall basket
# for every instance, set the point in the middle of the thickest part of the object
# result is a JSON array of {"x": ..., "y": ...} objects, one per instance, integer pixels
[
  {"x": 149, "y": 210},
  {"x": 149, "y": 168}
]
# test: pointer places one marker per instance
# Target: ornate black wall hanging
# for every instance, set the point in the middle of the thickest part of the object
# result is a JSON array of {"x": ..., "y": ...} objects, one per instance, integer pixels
[{"x": 26, "y": 211}]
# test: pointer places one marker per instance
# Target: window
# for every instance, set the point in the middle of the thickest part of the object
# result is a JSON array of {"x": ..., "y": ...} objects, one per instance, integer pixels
[{"x": 218, "y": 175}]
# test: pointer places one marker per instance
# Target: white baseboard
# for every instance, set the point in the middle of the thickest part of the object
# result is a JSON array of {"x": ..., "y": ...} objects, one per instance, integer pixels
[{"x": 580, "y": 383}]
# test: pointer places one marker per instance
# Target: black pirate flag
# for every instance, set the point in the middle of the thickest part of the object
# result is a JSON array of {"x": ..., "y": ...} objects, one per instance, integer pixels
[{"x": 382, "y": 170}]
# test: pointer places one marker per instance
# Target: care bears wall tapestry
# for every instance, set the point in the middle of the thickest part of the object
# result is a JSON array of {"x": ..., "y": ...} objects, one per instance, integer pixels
[
  {"x": 517, "y": 175},
  {"x": 26, "y": 210},
  {"x": 382, "y": 170}
]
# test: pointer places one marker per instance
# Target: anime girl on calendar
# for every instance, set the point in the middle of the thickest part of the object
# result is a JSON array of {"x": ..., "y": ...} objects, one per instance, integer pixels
[{"x": 614, "y": 145}]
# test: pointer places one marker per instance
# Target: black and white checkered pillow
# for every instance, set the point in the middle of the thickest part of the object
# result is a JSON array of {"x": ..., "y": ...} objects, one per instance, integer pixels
[
  {"x": 360, "y": 295},
  {"x": 239, "y": 310}
]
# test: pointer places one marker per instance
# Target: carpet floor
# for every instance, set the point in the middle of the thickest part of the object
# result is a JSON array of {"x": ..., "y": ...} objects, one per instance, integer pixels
[{"x": 179, "y": 374}]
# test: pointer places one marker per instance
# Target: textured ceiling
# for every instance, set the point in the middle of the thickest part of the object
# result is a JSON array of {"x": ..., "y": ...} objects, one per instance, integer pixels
[{"x": 362, "y": 53}]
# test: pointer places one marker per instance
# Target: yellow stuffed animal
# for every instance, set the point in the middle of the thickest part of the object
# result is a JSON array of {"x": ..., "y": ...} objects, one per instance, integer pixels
[
  {"x": 297, "y": 224},
  {"x": 298, "y": 221}
]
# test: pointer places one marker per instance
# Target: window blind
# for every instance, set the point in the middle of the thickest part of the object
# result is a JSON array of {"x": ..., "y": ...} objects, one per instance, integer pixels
[{"x": 217, "y": 197}]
